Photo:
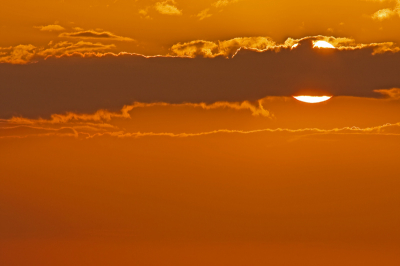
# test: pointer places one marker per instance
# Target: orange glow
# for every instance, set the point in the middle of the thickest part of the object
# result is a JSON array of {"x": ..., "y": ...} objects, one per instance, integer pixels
[
  {"x": 312, "y": 99},
  {"x": 323, "y": 44},
  {"x": 186, "y": 132}
]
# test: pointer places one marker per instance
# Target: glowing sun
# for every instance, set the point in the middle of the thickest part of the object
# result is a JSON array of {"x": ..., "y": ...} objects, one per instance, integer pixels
[
  {"x": 323, "y": 44},
  {"x": 312, "y": 99}
]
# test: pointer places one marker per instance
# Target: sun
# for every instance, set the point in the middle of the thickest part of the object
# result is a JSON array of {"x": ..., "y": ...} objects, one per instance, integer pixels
[
  {"x": 323, "y": 44},
  {"x": 312, "y": 99}
]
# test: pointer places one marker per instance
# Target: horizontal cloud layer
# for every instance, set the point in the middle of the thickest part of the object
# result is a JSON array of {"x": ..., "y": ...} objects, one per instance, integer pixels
[
  {"x": 93, "y": 82},
  {"x": 189, "y": 120},
  {"x": 24, "y": 54}
]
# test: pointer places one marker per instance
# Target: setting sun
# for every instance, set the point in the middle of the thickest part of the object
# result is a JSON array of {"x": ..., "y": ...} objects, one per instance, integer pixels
[
  {"x": 312, "y": 99},
  {"x": 201, "y": 133},
  {"x": 323, "y": 44}
]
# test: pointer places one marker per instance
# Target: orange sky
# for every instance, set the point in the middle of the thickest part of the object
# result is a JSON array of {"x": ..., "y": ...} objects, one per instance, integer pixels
[
  {"x": 154, "y": 26},
  {"x": 199, "y": 155}
]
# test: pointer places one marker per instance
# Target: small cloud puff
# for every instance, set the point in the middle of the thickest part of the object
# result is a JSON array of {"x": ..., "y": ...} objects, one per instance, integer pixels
[
  {"x": 167, "y": 8},
  {"x": 204, "y": 14},
  {"x": 387, "y": 13},
  {"x": 384, "y": 14},
  {"x": 50, "y": 28},
  {"x": 144, "y": 13}
]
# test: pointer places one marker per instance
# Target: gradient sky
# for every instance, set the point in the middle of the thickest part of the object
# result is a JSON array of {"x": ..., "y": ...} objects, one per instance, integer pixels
[{"x": 165, "y": 133}]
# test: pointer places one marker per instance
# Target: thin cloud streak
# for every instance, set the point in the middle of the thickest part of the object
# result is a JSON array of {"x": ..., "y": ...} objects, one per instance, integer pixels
[
  {"x": 224, "y": 3},
  {"x": 383, "y": 130},
  {"x": 393, "y": 93},
  {"x": 91, "y": 34},
  {"x": 101, "y": 123},
  {"x": 50, "y": 28},
  {"x": 105, "y": 115}
]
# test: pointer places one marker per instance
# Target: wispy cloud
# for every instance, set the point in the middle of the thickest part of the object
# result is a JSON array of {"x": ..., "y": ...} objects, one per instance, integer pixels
[
  {"x": 50, "y": 28},
  {"x": 223, "y": 3},
  {"x": 221, "y": 48},
  {"x": 23, "y": 54},
  {"x": 228, "y": 48},
  {"x": 393, "y": 93},
  {"x": 387, "y": 13},
  {"x": 384, "y": 14},
  {"x": 20, "y": 54},
  {"x": 91, "y": 34},
  {"x": 387, "y": 129},
  {"x": 167, "y": 7},
  {"x": 144, "y": 13},
  {"x": 30, "y": 128},
  {"x": 102, "y": 120},
  {"x": 64, "y": 48},
  {"x": 204, "y": 14}
]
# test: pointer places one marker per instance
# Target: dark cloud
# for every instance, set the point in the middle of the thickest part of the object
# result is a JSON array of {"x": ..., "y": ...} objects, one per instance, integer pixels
[{"x": 77, "y": 84}]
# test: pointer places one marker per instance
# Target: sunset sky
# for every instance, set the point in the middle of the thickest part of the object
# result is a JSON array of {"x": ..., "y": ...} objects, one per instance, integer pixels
[{"x": 155, "y": 133}]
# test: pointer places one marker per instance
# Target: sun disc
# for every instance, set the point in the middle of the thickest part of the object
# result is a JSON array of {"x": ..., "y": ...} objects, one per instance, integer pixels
[
  {"x": 312, "y": 99},
  {"x": 323, "y": 44}
]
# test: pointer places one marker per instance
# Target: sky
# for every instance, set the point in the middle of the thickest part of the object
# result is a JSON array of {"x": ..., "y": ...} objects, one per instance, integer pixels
[{"x": 167, "y": 133}]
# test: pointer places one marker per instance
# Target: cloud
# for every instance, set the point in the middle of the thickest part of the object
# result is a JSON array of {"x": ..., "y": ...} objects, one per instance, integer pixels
[
  {"x": 393, "y": 93},
  {"x": 16, "y": 130},
  {"x": 144, "y": 13},
  {"x": 32, "y": 131},
  {"x": 102, "y": 120},
  {"x": 91, "y": 34},
  {"x": 204, "y": 14},
  {"x": 223, "y": 3},
  {"x": 338, "y": 42},
  {"x": 20, "y": 54},
  {"x": 387, "y": 13},
  {"x": 195, "y": 48},
  {"x": 256, "y": 109},
  {"x": 167, "y": 8},
  {"x": 384, "y": 14},
  {"x": 227, "y": 48},
  {"x": 99, "y": 116},
  {"x": 24, "y": 54},
  {"x": 107, "y": 123},
  {"x": 341, "y": 43},
  {"x": 65, "y": 48},
  {"x": 108, "y": 81},
  {"x": 230, "y": 47},
  {"x": 103, "y": 115},
  {"x": 218, "y": 4},
  {"x": 50, "y": 28},
  {"x": 387, "y": 129}
]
